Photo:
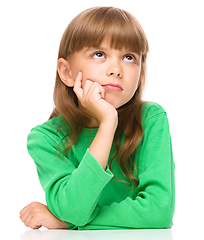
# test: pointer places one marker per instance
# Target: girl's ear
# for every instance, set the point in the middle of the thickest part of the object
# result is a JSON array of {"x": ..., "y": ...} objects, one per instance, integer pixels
[{"x": 63, "y": 68}]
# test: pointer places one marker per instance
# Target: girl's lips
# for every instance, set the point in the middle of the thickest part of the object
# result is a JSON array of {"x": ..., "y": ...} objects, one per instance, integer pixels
[{"x": 112, "y": 87}]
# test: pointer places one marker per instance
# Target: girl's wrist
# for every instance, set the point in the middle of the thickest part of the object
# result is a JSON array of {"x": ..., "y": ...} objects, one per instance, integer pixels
[
  {"x": 109, "y": 124},
  {"x": 110, "y": 121}
]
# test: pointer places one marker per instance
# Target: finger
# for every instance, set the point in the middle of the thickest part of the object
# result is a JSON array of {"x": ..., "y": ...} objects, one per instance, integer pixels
[
  {"x": 97, "y": 90},
  {"x": 88, "y": 86},
  {"x": 78, "y": 85},
  {"x": 102, "y": 93},
  {"x": 24, "y": 213},
  {"x": 30, "y": 219},
  {"x": 34, "y": 224},
  {"x": 26, "y": 218}
]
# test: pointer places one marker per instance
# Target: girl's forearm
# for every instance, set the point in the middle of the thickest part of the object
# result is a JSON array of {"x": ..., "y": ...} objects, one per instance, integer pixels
[{"x": 102, "y": 143}]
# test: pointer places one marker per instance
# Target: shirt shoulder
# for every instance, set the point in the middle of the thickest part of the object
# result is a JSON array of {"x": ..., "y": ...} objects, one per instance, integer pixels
[
  {"x": 51, "y": 132},
  {"x": 149, "y": 111},
  {"x": 55, "y": 127}
]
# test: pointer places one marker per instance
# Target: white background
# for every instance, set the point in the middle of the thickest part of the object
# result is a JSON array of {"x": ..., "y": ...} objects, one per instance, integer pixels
[{"x": 30, "y": 35}]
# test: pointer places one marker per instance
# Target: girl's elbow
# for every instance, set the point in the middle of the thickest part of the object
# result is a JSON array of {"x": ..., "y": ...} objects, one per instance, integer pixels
[
  {"x": 163, "y": 218},
  {"x": 164, "y": 222}
]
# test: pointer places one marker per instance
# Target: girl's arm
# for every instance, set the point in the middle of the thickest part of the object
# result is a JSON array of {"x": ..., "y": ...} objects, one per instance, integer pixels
[
  {"x": 72, "y": 189},
  {"x": 72, "y": 193},
  {"x": 91, "y": 98},
  {"x": 66, "y": 192},
  {"x": 153, "y": 203}
]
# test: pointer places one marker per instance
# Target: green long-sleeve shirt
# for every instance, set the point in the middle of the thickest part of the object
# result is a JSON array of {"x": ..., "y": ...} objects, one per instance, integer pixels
[{"x": 80, "y": 192}]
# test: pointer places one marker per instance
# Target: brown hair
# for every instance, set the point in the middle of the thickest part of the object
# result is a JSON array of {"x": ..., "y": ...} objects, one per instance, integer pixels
[{"x": 89, "y": 29}]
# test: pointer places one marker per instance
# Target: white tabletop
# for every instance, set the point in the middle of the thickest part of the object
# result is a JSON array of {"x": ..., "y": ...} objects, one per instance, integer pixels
[{"x": 20, "y": 232}]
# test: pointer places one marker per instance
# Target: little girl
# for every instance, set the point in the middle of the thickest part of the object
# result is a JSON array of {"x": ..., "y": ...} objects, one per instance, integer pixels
[{"x": 104, "y": 158}]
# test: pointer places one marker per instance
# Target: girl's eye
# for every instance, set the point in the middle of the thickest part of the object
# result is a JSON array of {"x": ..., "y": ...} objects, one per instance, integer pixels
[
  {"x": 98, "y": 55},
  {"x": 129, "y": 58}
]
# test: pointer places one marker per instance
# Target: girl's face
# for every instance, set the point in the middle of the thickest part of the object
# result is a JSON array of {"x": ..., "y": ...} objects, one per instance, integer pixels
[{"x": 117, "y": 71}]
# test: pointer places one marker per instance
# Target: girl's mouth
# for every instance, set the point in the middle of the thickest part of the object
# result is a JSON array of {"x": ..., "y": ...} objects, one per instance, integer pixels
[{"x": 112, "y": 87}]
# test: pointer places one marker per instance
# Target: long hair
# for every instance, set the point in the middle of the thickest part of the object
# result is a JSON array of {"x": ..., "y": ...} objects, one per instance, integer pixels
[{"x": 122, "y": 30}]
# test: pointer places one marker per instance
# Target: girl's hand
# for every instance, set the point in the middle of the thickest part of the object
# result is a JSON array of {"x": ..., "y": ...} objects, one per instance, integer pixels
[
  {"x": 91, "y": 96},
  {"x": 36, "y": 215}
]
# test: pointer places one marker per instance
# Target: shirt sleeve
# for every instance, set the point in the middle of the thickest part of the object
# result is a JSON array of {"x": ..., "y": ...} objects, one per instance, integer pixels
[
  {"x": 153, "y": 204},
  {"x": 71, "y": 193}
]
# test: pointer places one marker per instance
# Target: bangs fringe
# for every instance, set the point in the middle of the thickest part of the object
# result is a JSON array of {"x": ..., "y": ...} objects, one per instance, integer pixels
[{"x": 114, "y": 26}]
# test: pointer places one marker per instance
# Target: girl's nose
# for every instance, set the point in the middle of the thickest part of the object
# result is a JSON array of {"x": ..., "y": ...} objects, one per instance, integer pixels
[{"x": 115, "y": 70}]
